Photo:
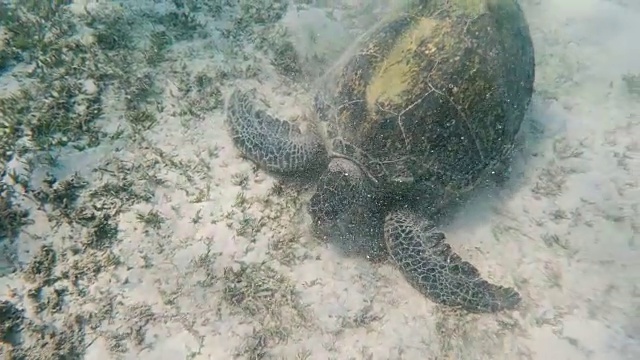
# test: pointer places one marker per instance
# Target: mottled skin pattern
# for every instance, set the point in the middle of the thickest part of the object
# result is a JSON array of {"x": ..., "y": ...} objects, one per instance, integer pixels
[
  {"x": 276, "y": 145},
  {"x": 423, "y": 110}
]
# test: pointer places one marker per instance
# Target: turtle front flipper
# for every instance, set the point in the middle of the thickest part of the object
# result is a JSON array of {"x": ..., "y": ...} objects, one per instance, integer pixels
[
  {"x": 429, "y": 264},
  {"x": 274, "y": 144}
]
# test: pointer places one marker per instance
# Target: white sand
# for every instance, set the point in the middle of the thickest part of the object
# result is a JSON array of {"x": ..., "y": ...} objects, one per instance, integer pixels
[{"x": 564, "y": 231}]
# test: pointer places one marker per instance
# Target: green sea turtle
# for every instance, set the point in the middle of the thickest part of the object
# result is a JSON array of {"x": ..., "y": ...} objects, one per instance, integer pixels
[{"x": 425, "y": 106}]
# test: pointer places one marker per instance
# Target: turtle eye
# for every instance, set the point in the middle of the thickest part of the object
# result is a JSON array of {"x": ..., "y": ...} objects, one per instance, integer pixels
[
  {"x": 327, "y": 205},
  {"x": 319, "y": 211},
  {"x": 333, "y": 196}
]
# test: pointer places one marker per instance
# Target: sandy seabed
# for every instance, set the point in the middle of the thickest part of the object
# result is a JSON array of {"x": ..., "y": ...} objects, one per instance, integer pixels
[{"x": 206, "y": 257}]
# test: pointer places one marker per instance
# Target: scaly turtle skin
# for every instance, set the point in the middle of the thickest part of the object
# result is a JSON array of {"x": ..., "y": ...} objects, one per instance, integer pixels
[{"x": 422, "y": 110}]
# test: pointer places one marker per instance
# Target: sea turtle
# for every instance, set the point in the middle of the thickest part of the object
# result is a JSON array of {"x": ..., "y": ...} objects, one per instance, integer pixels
[{"x": 425, "y": 106}]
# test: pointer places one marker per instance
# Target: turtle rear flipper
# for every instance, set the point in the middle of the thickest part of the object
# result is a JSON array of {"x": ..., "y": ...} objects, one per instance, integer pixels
[
  {"x": 274, "y": 144},
  {"x": 429, "y": 264}
]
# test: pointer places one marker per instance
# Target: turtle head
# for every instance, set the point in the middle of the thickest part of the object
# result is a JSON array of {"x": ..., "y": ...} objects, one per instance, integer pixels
[
  {"x": 340, "y": 188},
  {"x": 344, "y": 209}
]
